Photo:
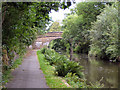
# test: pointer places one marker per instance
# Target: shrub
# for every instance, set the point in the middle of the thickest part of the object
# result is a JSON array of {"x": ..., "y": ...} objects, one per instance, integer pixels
[
  {"x": 43, "y": 50},
  {"x": 70, "y": 66},
  {"x": 57, "y": 44},
  {"x": 51, "y": 56},
  {"x": 62, "y": 64},
  {"x": 77, "y": 49},
  {"x": 75, "y": 81}
]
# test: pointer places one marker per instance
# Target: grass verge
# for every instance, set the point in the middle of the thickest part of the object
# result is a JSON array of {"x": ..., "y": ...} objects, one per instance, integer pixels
[
  {"x": 6, "y": 76},
  {"x": 52, "y": 80}
]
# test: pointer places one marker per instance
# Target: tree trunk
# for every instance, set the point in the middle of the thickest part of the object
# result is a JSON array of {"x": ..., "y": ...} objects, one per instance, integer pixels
[{"x": 33, "y": 45}]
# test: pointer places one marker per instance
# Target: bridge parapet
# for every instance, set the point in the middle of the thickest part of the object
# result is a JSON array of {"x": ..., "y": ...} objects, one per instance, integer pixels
[
  {"x": 52, "y": 34},
  {"x": 44, "y": 40}
]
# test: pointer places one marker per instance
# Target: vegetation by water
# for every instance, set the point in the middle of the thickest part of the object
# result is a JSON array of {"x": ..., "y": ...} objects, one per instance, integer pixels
[
  {"x": 92, "y": 28},
  {"x": 60, "y": 65},
  {"x": 51, "y": 79},
  {"x": 104, "y": 34}
]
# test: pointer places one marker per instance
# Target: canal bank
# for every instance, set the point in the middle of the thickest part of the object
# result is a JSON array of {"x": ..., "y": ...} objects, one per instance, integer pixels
[{"x": 97, "y": 70}]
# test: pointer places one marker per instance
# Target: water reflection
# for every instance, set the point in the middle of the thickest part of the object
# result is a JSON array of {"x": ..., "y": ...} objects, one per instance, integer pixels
[{"x": 95, "y": 70}]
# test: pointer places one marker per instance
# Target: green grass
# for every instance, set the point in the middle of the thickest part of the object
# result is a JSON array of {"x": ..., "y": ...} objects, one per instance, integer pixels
[
  {"x": 17, "y": 63},
  {"x": 6, "y": 76},
  {"x": 52, "y": 80},
  {"x": 7, "y": 73}
]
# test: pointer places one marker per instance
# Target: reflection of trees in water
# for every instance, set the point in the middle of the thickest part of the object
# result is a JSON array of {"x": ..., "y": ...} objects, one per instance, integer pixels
[{"x": 96, "y": 69}]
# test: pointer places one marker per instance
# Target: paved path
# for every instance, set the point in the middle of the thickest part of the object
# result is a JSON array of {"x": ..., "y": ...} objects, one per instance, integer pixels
[{"x": 28, "y": 75}]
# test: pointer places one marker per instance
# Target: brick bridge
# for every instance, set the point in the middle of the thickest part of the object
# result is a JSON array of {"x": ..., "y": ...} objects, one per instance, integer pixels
[{"x": 44, "y": 40}]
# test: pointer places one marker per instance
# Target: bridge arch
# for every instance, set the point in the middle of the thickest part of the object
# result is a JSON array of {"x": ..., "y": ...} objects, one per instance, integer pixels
[{"x": 44, "y": 40}]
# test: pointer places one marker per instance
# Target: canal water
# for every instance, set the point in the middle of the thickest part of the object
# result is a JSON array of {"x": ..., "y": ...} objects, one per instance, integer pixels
[{"x": 99, "y": 70}]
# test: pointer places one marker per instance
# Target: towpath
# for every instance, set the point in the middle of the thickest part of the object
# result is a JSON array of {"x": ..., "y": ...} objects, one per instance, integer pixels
[{"x": 28, "y": 74}]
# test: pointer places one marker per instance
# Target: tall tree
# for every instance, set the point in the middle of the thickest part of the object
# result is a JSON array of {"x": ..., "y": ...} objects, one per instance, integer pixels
[
  {"x": 22, "y": 21},
  {"x": 71, "y": 28},
  {"x": 104, "y": 34},
  {"x": 86, "y": 13}
]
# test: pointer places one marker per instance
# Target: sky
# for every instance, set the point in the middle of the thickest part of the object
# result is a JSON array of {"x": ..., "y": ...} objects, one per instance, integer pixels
[{"x": 59, "y": 15}]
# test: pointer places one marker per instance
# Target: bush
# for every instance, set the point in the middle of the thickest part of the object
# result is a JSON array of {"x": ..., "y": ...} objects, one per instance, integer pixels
[
  {"x": 75, "y": 81},
  {"x": 51, "y": 59},
  {"x": 62, "y": 64},
  {"x": 70, "y": 66},
  {"x": 43, "y": 50},
  {"x": 51, "y": 56},
  {"x": 71, "y": 70},
  {"x": 77, "y": 49},
  {"x": 57, "y": 44}
]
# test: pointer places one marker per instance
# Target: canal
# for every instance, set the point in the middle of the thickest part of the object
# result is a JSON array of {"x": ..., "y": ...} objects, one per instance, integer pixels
[{"x": 98, "y": 70}]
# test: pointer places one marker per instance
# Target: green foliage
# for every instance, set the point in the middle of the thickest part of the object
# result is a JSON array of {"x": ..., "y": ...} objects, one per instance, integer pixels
[
  {"x": 43, "y": 50},
  {"x": 77, "y": 49},
  {"x": 58, "y": 44},
  {"x": 53, "y": 57},
  {"x": 75, "y": 81},
  {"x": 82, "y": 48},
  {"x": 77, "y": 24},
  {"x": 97, "y": 84},
  {"x": 52, "y": 80},
  {"x": 89, "y": 11},
  {"x": 62, "y": 64},
  {"x": 104, "y": 34},
  {"x": 70, "y": 66},
  {"x": 93, "y": 28},
  {"x": 22, "y": 22},
  {"x": 55, "y": 27},
  {"x": 70, "y": 26},
  {"x": 6, "y": 76},
  {"x": 17, "y": 63}
]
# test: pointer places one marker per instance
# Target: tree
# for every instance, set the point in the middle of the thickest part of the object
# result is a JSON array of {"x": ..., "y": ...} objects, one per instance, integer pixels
[
  {"x": 104, "y": 34},
  {"x": 55, "y": 26},
  {"x": 71, "y": 28},
  {"x": 22, "y": 22},
  {"x": 86, "y": 13}
]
